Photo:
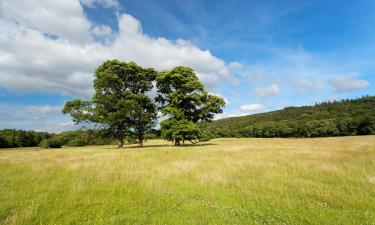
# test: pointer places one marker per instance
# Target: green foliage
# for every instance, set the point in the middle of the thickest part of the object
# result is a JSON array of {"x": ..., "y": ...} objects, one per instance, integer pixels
[
  {"x": 183, "y": 100},
  {"x": 180, "y": 130},
  {"x": 77, "y": 142},
  {"x": 10, "y": 138},
  {"x": 338, "y": 118},
  {"x": 206, "y": 136},
  {"x": 53, "y": 142},
  {"x": 120, "y": 105},
  {"x": 82, "y": 138},
  {"x": 19, "y": 138}
]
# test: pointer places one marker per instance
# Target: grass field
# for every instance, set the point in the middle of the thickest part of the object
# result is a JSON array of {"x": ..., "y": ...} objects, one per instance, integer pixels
[{"x": 224, "y": 181}]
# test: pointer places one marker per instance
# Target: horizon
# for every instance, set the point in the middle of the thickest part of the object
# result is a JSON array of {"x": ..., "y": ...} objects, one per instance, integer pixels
[{"x": 258, "y": 56}]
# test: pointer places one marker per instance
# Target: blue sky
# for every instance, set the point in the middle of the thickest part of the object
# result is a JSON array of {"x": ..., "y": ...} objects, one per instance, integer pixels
[{"x": 258, "y": 55}]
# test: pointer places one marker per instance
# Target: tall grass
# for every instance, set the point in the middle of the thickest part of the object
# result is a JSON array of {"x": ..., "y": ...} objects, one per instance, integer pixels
[{"x": 224, "y": 181}]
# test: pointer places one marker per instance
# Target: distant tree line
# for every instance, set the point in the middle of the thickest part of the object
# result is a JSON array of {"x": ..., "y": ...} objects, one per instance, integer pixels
[
  {"x": 10, "y": 138},
  {"x": 326, "y": 119}
]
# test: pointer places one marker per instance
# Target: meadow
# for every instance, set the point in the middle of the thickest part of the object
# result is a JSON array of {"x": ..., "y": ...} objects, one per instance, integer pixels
[{"x": 223, "y": 181}]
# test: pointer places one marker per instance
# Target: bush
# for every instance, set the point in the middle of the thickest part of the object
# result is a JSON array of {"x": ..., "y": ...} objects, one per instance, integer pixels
[
  {"x": 53, "y": 142},
  {"x": 101, "y": 141},
  {"x": 206, "y": 136},
  {"x": 77, "y": 142}
]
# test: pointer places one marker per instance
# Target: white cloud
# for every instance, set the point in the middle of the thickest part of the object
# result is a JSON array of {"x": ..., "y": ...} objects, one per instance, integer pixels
[
  {"x": 60, "y": 18},
  {"x": 272, "y": 90},
  {"x": 104, "y": 3},
  {"x": 132, "y": 44},
  {"x": 101, "y": 30},
  {"x": 37, "y": 63},
  {"x": 347, "y": 84},
  {"x": 251, "y": 107},
  {"x": 31, "y": 61},
  {"x": 243, "y": 110}
]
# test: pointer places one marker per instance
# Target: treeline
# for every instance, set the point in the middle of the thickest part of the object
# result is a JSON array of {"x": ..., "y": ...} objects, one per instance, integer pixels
[
  {"x": 326, "y": 119},
  {"x": 10, "y": 138}
]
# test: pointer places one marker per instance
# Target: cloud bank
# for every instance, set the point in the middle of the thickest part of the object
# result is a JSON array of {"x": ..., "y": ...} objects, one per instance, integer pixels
[{"x": 49, "y": 46}]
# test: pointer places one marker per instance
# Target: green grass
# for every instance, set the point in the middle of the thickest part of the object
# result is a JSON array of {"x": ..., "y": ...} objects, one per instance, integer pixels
[{"x": 224, "y": 181}]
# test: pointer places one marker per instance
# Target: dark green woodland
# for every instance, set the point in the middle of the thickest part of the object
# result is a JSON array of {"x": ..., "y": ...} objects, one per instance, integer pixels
[{"x": 326, "y": 119}]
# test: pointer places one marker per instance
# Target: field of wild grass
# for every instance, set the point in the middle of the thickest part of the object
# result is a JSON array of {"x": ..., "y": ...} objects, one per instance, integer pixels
[{"x": 223, "y": 181}]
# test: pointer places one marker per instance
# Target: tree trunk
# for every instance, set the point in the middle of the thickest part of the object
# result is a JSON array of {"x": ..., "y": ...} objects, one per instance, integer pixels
[
  {"x": 140, "y": 143},
  {"x": 120, "y": 143},
  {"x": 176, "y": 142}
]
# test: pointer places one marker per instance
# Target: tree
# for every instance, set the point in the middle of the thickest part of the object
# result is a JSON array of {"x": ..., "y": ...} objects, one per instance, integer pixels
[
  {"x": 184, "y": 101},
  {"x": 143, "y": 117},
  {"x": 120, "y": 105}
]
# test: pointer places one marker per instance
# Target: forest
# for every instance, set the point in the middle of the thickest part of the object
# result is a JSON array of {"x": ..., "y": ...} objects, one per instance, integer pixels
[{"x": 326, "y": 119}]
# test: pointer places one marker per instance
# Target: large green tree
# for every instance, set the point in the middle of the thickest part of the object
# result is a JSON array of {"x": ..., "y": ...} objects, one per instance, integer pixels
[
  {"x": 184, "y": 102},
  {"x": 120, "y": 105}
]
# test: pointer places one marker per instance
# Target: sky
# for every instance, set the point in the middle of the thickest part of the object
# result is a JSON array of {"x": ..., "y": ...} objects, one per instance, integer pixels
[{"x": 258, "y": 55}]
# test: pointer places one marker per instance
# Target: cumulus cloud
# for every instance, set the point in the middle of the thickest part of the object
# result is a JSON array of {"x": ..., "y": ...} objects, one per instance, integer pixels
[
  {"x": 101, "y": 30},
  {"x": 39, "y": 52},
  {"x": 348, "y": 84},
  {"x": 266, "y": 92},
  {"x": 57, "y": 18},
  {"x": 36, "y": 63}
]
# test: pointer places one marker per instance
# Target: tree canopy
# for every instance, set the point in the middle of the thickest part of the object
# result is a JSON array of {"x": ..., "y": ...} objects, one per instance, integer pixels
[
  {"x": 120, "y": 105},
  {"x": 184, "y": 102}
]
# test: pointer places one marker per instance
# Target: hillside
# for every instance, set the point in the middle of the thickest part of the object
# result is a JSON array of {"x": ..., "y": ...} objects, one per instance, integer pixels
[{"x": 338, "y": 118}]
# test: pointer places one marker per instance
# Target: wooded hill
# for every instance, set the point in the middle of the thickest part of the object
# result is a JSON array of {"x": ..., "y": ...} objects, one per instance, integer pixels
[{"x": 337, "y": 118}]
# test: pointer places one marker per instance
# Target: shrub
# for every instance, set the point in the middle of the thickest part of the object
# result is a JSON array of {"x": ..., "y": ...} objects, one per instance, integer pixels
[
  {"x": 206, "y": 136},
  {"x": 53, "y": 142},
  {"x": 77, "y": 142}
]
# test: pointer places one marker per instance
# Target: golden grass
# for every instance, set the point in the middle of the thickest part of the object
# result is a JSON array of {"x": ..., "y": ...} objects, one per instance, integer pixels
[{"x": 223, "y": 181}]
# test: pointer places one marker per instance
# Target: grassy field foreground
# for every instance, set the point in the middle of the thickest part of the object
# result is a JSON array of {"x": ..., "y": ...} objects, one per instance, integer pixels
[{"x": 224, "y": 181}]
